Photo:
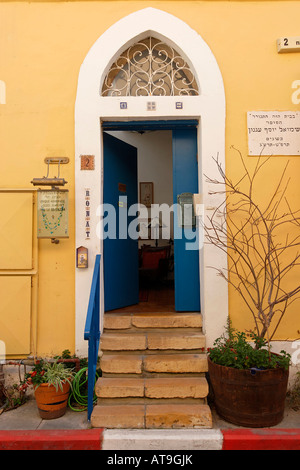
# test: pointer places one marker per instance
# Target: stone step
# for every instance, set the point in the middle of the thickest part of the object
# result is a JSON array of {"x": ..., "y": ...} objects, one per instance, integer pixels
[
  {"x": 162, "y": 363},
  {"x": 121, "y": 364},
  {"x": 151, "y": 416},
  {"x": 168, "y": 340},
  {"x": 156, "y": 388},
  {"x": 153, "y": 372},
  {"x": 176, "y": 363},
  {"x": 185, "y": 387},
  {"x": 118, "y": 416},
  {"x": 115, "y": 321},
  {"x": 123, "y": 342},
  {"x": 178, "y": 416},
  {"x": 120, "y": 387},
  {"x": 171, "y": 340}
]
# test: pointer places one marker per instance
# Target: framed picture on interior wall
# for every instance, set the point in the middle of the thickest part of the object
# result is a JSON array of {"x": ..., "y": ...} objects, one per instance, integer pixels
[{"x": 146, "y": 194}]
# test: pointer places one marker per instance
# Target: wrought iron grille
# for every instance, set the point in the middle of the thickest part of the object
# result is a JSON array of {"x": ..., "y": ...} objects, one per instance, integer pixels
[{"x": 150, "y": 68}]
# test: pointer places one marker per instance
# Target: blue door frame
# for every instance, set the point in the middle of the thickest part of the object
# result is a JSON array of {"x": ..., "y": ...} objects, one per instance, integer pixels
[
  {"x": 185, "y": 180},
  {"x": 186, "y": 245}
]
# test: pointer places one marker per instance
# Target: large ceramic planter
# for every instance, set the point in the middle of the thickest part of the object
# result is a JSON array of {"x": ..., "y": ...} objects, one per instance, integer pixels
[
  {"x": 251, "y": 398},
  {"x": 52, "y": 403}
]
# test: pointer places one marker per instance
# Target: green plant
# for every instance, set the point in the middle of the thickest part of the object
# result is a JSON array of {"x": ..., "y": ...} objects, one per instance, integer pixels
[
  {"x": 294, "y": 393},
  {"x": 66, "y": 354},
  {"x": 234, "y": 349},
  {"x": 15, "y": 395},
  {"x": 53, "y": 373}
]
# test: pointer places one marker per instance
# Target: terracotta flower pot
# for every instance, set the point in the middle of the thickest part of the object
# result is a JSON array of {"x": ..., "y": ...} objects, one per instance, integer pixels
[
  {"x": 52, "y": 403},
  {"x": 250, "y": 397}
]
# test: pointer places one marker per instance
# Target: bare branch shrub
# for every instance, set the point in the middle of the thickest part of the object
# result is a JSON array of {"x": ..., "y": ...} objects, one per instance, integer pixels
[{"x": 256, "y": 236}]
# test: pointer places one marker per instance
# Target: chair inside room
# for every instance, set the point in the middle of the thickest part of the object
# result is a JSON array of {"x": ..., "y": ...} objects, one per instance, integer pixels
[{"x": 154, "y": 263}]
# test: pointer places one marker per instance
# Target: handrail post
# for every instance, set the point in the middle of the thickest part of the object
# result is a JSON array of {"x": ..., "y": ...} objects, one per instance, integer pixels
[{"x": 92, "y": 333}]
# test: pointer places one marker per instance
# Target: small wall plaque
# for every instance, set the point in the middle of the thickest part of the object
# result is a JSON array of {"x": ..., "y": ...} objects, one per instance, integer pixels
[
  {"x": 52, "y": 213},
  {"x": 87, "y": 162},
  {"x": 273, "y": 132},
  {"x": 288, "y": 44},
  {"x": 82, "y": 257}
]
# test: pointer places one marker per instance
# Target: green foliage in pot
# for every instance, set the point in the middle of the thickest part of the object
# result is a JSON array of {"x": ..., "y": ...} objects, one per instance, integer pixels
[
  {"x": 53, "y": 373},
  {"x": 233, "y": 349}
]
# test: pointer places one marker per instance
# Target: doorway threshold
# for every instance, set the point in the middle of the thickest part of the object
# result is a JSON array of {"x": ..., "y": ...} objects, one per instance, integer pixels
[{"x": 152, "y": 299}]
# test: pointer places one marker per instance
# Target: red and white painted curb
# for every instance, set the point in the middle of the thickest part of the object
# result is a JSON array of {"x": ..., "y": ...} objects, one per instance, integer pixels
[
  {"x": 202, "y": 439},
  {"x": 134, "y": 439},
  {"x": 83, "y": 439},
  {"x": 261, "y": 439}
]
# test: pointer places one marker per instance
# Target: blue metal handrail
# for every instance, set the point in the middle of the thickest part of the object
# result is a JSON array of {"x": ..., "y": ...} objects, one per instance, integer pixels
[{"x": 92, "y": 332}]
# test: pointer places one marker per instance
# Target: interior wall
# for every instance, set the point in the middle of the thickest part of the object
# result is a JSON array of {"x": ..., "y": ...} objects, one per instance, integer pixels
[{"x": 154, "y": 165}]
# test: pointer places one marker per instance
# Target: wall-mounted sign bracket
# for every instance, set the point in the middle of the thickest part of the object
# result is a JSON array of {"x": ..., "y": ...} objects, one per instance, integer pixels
[
  {"x": 56, "y": 160},
  {"x": 55, "y": 181},
  {"x": 45, "y": 181}
]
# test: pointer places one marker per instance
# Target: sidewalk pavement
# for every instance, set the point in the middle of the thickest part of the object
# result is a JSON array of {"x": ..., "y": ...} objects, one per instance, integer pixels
[{"x": 23, "y": 428}]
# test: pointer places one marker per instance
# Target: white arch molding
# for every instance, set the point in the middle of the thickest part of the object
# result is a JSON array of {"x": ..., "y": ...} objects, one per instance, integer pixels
[{"x": 91, "y": 108}]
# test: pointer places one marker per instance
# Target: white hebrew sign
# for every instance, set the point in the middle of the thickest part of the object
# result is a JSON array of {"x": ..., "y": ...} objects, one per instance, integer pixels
[{"x": 273, "y": 132}]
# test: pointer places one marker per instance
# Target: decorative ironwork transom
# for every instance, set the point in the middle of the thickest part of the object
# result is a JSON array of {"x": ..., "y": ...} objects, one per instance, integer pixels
[{"x": 150, "y": 68}]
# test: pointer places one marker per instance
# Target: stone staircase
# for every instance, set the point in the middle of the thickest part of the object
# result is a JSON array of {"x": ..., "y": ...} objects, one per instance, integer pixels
[{"x": 153, "y": 372}]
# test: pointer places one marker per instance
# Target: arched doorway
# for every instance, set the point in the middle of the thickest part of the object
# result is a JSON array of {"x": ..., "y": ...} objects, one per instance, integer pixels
[
  {"x": 207, "y": 107},
  {"x": 150, "y": 68}
]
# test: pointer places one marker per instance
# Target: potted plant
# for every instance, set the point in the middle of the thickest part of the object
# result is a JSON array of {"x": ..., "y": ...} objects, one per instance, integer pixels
[
  {"x": 51, "y": 382},
  {"x": 249, "y": 382}
]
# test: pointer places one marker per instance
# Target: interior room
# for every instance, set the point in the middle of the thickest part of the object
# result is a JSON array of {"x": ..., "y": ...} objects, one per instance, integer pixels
[{"x": 155, "y": 242}]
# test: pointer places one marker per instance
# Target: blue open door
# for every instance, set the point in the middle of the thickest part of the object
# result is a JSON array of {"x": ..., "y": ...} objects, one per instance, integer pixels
[
  {"x": 186, "y": 252},
  {"x": 120, "y": 252},
  {"x": 121, "y": 256}
]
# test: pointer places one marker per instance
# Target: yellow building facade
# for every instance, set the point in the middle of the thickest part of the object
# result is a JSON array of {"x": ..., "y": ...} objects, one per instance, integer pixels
[{"x": 54, "y": 58}]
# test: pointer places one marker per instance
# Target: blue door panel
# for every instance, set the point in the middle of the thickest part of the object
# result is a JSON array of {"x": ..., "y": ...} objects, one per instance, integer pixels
[
  {"x": 120, "y": 254},
  {"x": 186, "y": 262}
]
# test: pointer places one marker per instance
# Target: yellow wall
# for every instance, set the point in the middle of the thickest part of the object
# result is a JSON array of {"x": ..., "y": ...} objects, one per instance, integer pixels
[{"x": 42, "y": 46}]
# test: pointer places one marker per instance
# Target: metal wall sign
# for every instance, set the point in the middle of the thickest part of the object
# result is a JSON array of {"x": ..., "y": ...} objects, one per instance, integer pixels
[
  {"x": 186, "y": 212},
  {"x": 273, "y": 132},
  {"x": 52, "y": 213}
]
